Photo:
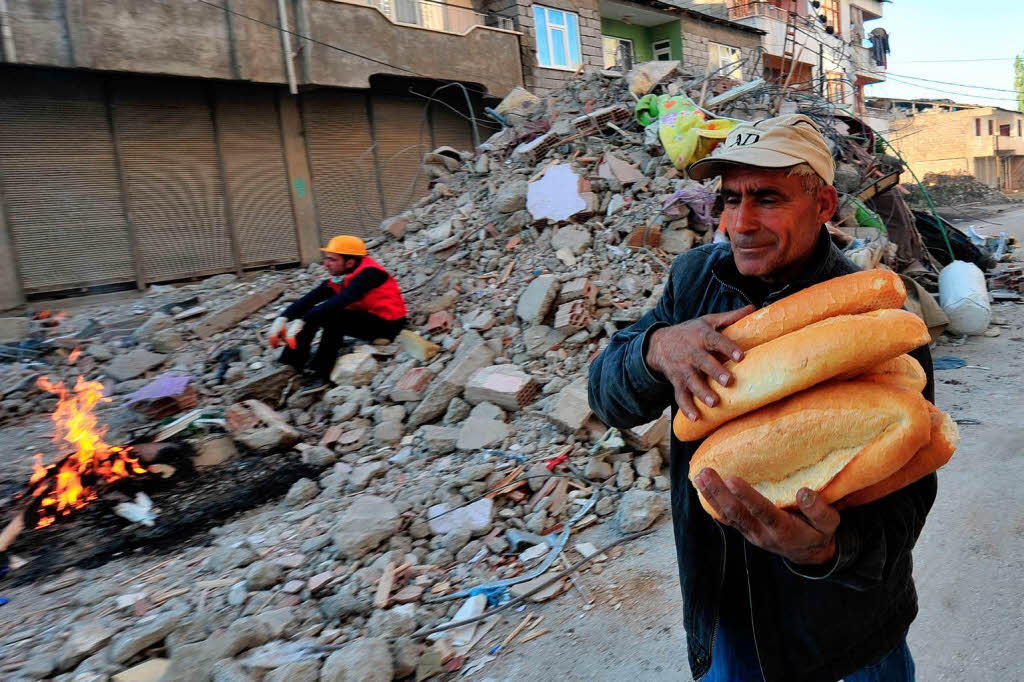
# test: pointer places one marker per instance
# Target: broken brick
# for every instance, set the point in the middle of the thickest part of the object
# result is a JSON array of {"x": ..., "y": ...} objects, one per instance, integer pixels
[
  {"x": 572, "y": 316},
  {"x": 506, "y": 386},
  {"x": 440, "y": 322},
  {"x": 412, "y": 385}
]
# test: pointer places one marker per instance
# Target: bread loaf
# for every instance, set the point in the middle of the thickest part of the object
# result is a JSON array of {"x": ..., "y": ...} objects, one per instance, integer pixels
[
  {"x": 945, "y": 437},
  {"x": 860, "y": 292},
  {"x": 836, "y": 438},
  {"x": 835, "y": 346},
  {"x": 903, "y": 371}
]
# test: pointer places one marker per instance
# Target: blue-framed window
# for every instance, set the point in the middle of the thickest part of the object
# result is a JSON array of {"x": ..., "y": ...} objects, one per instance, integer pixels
[{"x": 558, "y": 38}]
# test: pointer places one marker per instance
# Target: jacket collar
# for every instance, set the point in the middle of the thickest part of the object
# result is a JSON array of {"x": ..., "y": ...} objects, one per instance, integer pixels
[{"x": 824, "y": 264}]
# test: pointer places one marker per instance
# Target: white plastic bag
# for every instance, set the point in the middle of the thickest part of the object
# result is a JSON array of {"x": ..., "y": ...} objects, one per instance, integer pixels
[{"x": 964, "y": 298}]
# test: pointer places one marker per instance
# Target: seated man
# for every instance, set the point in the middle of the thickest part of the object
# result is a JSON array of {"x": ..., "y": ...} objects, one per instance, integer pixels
[{"x": 359, "y": 299}]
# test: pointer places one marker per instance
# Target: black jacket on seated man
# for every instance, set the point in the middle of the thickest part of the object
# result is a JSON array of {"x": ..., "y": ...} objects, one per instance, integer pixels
[
  {"x": 365, "y": 303},
  {"x": 810, "y": 624}
]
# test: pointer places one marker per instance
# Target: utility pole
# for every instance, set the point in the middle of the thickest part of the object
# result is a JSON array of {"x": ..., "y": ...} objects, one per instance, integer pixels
[{"x": 821, "y": 69}]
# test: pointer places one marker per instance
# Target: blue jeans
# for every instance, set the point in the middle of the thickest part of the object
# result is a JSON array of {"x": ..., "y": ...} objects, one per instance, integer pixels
[{"x": 736, "y": 661}]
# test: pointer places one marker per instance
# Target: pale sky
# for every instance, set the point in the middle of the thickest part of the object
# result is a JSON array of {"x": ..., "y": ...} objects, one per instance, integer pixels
[{"x": 923, "y": 31}]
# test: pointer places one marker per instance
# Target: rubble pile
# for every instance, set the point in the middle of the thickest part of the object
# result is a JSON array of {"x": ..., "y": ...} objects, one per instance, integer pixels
[
  {"x": 461, "y": 456},
  {"x": 954, "y": 189}
]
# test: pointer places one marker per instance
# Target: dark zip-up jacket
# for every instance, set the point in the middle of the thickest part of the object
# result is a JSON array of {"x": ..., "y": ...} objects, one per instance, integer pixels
[
  {"x": 810, "y": 623},
  {"x": 324, "y": 300}
]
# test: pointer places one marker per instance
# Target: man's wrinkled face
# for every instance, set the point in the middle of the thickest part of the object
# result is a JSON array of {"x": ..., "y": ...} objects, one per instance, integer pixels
[{"x": 772, "y": 219}]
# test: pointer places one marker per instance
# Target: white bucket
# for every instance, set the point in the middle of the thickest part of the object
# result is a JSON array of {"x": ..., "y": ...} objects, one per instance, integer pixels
[{"x": 964, "y": 298}]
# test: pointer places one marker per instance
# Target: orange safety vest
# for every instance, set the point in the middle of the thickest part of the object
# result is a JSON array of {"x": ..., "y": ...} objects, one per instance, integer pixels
[{"x": 384, "y": 301}]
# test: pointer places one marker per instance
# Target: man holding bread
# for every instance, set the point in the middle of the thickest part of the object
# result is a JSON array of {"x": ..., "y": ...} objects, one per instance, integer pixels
[{"x": 800, "y": 568}]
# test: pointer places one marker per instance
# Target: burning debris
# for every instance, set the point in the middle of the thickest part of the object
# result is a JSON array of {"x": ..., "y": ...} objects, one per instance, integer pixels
[{"x": 56, "y": 490}]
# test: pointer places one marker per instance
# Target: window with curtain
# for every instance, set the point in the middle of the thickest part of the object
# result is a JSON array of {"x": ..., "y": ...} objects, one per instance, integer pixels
[
  {"x": 723, "y": 55},
  {"x": 618, "y": 52},
  {"x": 558, "y": 38}
]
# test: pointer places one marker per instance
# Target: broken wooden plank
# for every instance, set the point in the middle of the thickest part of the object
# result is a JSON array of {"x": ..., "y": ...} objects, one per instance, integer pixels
[
  {"x": 232, "y": 314},
  {"x": 387, "y": 581}
]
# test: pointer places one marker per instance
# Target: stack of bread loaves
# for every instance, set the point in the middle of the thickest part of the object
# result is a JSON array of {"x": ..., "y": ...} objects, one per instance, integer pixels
[{"x": 825, "y": 398}]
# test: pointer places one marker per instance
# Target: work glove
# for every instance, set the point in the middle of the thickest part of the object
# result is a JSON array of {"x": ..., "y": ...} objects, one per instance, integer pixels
[
  {"x": 276, "y": 333},
  {"x": 293, "y": 331}
]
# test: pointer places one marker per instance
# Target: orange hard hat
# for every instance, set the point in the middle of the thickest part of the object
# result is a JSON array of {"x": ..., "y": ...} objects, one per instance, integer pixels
[{"x": 346, "y": 245}]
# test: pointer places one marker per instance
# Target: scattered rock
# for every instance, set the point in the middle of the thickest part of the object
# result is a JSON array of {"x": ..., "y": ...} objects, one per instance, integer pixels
[
  {"x": 366, "y": 660},
  {"x": 368, "y": 522},
  {"x": 638, "y": 509},
  {"x": 262, "y": 575},
  {"x": 303, "y": 490}
]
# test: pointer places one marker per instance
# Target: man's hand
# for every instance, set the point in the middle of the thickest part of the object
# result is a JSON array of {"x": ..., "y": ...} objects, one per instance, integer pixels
[
  {"x": 685, "y": 353},
  {"x": 276, "y": 333},
  {"x": 807, "y": 537}
]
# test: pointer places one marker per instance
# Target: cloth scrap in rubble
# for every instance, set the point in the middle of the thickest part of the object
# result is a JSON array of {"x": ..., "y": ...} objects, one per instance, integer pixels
[
  {"x": 164, "y": 386},
  {"x": 692, "y": 194},
  {"x": 556, "y": 196}
]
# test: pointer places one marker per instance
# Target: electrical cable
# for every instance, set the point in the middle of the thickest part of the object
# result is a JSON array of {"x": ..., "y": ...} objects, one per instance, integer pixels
[
  {"x": 979, "y": 95},
  {"x": 322, "y": 43}
]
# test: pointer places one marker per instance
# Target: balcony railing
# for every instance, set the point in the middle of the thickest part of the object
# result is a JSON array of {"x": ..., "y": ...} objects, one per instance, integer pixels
[
  {"x": 742, "y": 9},
  {"x": 438, "y": 16}
]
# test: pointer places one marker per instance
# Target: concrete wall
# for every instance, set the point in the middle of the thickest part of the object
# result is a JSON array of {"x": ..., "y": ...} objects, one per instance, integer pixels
[
  {"x": 644, "y": 37},
  {"x": 934, "y": 143},
  {"x": 672, "y": 32},
  {"x": 186, "y": 38},
  {"x": 485, "y": 56},
  {"x": 640, "y": 35},
  {"x": 543, "y": 80},
  {"x": 698, "y": 34},
  {"x": 939, "y": 142}
]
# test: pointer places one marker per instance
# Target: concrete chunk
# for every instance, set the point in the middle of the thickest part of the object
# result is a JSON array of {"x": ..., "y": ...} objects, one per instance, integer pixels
[
  {"x": 354, "y": 369},
  {"x": 133, "y": 364},
  {"x": 479, "y": 432},
  {"x": 472, "y": 354},
  {"x": 416, "y": 346},
  {"x": 504, "y": 385},
  {"x": 536, "y": 299},
  {"x": 572, "y": 407}
]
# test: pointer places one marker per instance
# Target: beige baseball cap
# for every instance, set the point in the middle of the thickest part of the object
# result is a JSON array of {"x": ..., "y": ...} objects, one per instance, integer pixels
[{"x": 778, "y": 142}]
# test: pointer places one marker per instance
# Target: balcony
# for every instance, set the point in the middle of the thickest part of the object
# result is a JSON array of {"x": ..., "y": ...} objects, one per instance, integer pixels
[
  {"x": 409, "y": 38},
  {"x": 437, "y": 16},
  {"x": 864, "y": 65}
]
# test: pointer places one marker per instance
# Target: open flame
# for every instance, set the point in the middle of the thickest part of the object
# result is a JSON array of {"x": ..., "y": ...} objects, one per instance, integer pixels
[{"x": 72, "y": 482}]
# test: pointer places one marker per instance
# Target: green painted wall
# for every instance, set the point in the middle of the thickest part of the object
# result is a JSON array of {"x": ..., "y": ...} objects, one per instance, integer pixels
[
  {"x": 638, "y": 34},
  {"x": 643, "y": 36},
  {"x": 672, "y": 32}
]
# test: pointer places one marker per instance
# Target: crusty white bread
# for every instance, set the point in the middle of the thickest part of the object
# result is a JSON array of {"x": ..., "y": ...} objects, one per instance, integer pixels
[
  {"x": 841, "y": 345},
  {"x": 836, "y": 438},
  {"x": 903, "y": 371},
  {"x": 945, "y": 437},
  {"x": 860, "y": 292}
]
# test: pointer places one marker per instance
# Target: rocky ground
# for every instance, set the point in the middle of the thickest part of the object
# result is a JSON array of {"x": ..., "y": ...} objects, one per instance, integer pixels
[{"x": 450, "y": 459}]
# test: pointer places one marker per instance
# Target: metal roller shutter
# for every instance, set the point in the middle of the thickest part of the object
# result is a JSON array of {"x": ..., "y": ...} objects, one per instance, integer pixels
[
  {"x": 59, "y": 182},
  {"x": 400, "y": 149},
  {"x": 250, "y": 142},
  {"x": 173, "y": 178},
  {"x": 342, "y": 160},
  {"x": 451, "y": 129}
]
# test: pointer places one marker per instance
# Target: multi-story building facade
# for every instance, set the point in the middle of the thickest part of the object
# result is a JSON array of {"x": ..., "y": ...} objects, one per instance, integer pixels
[
  {"x": 149, "y": 141},
  {"x": 942, "y": 137},
  {"x": 559, "y": 37},
  {"x": 832, "y": 48}
]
